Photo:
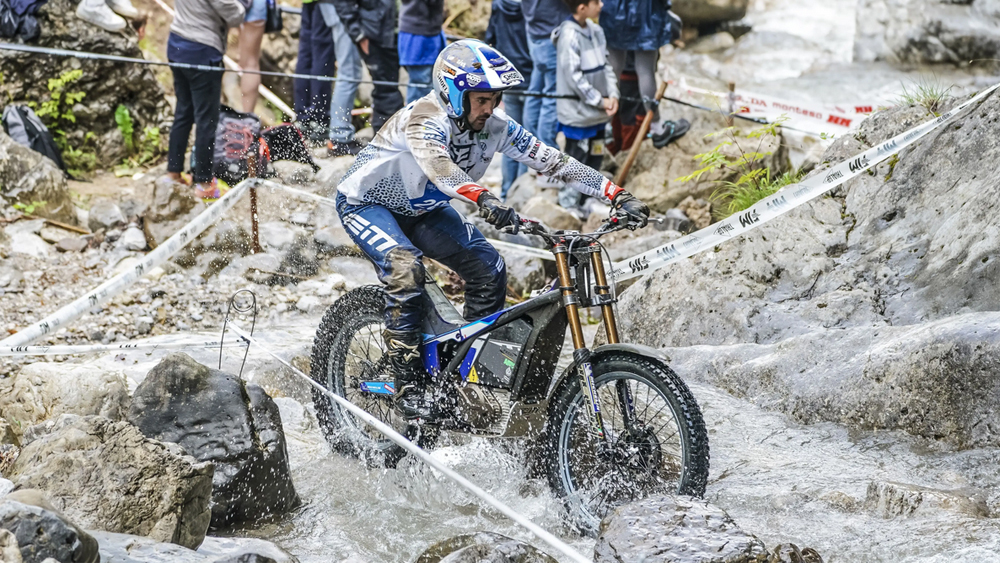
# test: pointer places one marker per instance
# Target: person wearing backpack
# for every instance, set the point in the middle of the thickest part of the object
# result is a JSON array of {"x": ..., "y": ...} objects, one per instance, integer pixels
[{"x": 198, "y": 36}]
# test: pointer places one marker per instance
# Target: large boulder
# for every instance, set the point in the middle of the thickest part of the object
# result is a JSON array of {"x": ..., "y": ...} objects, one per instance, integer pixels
[
  {"x": 550, "y": 214},
  {"x": 26, "y": 177},
  {"x": 172, "y": 207},
  {"x": 860, "y": 307},
  {"x": 107, "y": 475},
  {"x": 483, "y": 547},
  {"x": 927, "y": 31},
  {"x": 674, "y": 530},
  {"x": 43, "y": 532},
  {"x": 654, "y": 176},
  {"x": 215, "y": 417},
  {"x": 42, "y": 391},
  {"x": 106, "y": 84},
  {"x": 700, "y": 12}
]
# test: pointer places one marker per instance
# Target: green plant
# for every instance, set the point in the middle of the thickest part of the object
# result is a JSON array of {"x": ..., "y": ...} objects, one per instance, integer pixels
[
  {"x": 754, "y": 179},
  {"x": 29, "y": 208},
  {"x": 57, "y": 114},
  {"x": 124, "y": 122},
  {"x": 927, "y": 94},
  {"x": 150, "y": 143}
]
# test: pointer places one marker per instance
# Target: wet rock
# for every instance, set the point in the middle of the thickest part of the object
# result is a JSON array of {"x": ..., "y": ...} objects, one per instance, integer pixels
[
  {"x": 790, "y": 553},
  {"x": 293, "y": 173},
  {"x": 483, "y": 547},
  {"x": 42, "y": 391},
  {"x": 43, "y": 532},
  {"x": 243, "y": 550},
  {"x": 172, "y": 207},
  {"x": 926, "y": 31},
  {"x": 104, "y": 214},
  {"x": 335, "y": 241},
  {"x": 73, "y": 244},
  {"x": 217, "y": 418},
  {"x": 301, "y": 258},
  {"x": 132, "y": 239},
  {"x": 127, "y": 548},
  {"x": 106, "y": 84},
  {"x": 277, "y": 235},
  {"x": 676, "y": 530},
  {"x": 854, "y": 308},
  {"x": 551, "y": 214},
  {"x": 84, "y": 464},
  {"x": 308, "y": 304},
  {"x": 26, "y": 177},
  {"x": 698, "y": 12},
  {"x": 901, "y": 500}
]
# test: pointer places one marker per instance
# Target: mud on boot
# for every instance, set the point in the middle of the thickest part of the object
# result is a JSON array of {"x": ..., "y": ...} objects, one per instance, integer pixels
[{"x": 411, "y": 398}]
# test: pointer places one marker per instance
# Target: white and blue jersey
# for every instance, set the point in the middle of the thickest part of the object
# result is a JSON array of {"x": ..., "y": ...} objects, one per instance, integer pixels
[{"x": 420, "y": 160}]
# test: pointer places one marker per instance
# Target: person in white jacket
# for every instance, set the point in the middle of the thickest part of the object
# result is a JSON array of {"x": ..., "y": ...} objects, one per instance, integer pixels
[{"x": 394, "y": 200}]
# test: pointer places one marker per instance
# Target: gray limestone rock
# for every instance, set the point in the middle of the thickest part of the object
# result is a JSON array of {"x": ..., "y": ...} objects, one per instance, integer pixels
[
  {"x": 697, "y": 12},
  {"x": 132, "y": 239},
  {"x": 104, "y": 214},
  {"x": 483, "y": 547},
  {"x": 73, "y": 244},
  {"x": 26, "y": 177},
  {"x": 216, "y": 418},
  {"x": 550, "y": 214},
  {"x": 84, "y": 464},
  {"x": 173, "y": 206},
  {"x": 9, "y": 551},
  {"x": 901, "y": 500},
  {"x": 43, "y": 532},
  {"x": 674, "y": 530}
]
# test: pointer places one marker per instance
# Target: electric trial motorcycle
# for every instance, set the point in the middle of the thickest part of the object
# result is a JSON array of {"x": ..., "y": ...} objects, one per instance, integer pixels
[{"x": 617, "y": 426}]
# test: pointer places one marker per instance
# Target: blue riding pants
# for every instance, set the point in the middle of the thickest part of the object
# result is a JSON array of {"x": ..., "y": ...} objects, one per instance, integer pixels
[{"x": 396, "y": 243}]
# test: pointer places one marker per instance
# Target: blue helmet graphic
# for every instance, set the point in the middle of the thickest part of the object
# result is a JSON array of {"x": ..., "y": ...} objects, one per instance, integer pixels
[{"x": 470, "y": 65}]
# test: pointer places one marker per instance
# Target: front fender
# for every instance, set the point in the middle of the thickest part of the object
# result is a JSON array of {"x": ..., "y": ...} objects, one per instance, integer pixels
[{"x": 606, "y": 349}]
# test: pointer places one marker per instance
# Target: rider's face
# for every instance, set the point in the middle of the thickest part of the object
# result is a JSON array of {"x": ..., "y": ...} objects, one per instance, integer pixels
[{"x": 481, "y": 106}]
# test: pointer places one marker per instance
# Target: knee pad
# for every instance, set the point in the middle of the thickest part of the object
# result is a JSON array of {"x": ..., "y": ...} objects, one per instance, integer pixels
[{"x": 406, "y": 271}]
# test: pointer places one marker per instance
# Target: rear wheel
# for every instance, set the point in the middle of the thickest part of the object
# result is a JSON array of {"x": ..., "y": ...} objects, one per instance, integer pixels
[
  {"x": 655, "y": 439},
  {"x": 348, "y": 350}
]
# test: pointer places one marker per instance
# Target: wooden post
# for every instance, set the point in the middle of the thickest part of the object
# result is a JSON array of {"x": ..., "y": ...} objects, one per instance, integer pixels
[
  {"x": 731, "y": 103},
  {"x": 252, "y": 170},
  {"x": 639, "y": 138}
]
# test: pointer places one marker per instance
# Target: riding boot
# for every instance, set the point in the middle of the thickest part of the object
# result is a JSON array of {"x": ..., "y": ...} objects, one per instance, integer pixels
[{"x": 403, "y": 348}]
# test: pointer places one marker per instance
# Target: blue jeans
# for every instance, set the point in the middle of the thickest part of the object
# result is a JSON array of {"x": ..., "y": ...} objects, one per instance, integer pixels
[
  {"x": 396, "y": 243},
  {"x": 419, "y": 74},
  {"x": 514, "y": 106},
  {"x": 316, "y": 57},
  {"x": 348, "y": 67},
  {"x": 540, "y": 113}
]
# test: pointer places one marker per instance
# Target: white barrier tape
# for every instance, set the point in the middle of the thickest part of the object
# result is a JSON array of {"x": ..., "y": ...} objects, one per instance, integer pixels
[
  {"x": 423, "y": 456},
  {"x": 124, "y": 346},
  {"x": 530, "y": 250},
  {"x": 750, "y": 103},
  {"x": 782, "y": 202},
  {"x": 117, "y": 284}
]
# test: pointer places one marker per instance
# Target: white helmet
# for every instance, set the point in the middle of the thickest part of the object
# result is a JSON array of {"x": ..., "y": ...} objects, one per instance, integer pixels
[{"x": 470, "y": 65}]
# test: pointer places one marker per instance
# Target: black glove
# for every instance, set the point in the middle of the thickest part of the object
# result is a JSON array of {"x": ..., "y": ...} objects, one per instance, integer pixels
[
  {"x": 632, "y": 208},
  {"x": 496, "y": 213}
]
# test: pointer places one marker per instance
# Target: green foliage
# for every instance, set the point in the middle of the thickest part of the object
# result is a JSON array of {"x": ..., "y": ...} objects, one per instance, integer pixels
[
  {"x": 29, "y": 208},
  {"x": 741, "y": 194},
  {"x": 927, "y": 94},
  {"x": 124, "y": 122},
  {"x": 754, "y": 179},
  {"x": 57, "y": 115}
]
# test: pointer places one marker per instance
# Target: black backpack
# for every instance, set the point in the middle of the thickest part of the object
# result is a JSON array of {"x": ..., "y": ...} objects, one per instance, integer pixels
[
  {"x": 26, "y": 129},
  {"x": 285, "y": 142},
  {"x": 237, "y": 137}
]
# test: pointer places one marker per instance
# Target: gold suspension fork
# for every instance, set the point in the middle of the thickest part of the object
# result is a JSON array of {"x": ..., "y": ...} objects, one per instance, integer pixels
[
  {"x": 603, "y": 289},
  {"x": 581, "y": 354}
]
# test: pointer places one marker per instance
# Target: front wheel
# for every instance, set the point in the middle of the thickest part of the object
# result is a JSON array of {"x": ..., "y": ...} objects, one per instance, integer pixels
[{"x": 655, "y": 439}]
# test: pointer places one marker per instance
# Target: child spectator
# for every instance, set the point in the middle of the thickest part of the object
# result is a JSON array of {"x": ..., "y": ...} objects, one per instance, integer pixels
[
  {"x": 506, "y": 32},
  {"x": 198, "y": 36},
  {"x": 316, "y": 57},
  {"x": 583, "y": 71},
  {"x": 420, "y": 40},
  {"x": 373, "y": 30},
  {"x": 643, "y": 26},
  {"x": 541, "y": 18}
]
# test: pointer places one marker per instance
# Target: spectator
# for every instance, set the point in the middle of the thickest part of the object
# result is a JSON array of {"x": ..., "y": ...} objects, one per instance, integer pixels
[
  {"x": 373, "y": 30},
  {"x": 251, "y": 35},
  {"x": 198, "y": 36},
  {"x": 316, "y": 57},
  {"x": 643, "y": 26},
  {"x": 583, "y": 71},
  {"x": 507, "y": 33},
  {"x": 541, "y": 18},
  {"x": 342, "y": 140},
  {"x": 420, "y": 40}
]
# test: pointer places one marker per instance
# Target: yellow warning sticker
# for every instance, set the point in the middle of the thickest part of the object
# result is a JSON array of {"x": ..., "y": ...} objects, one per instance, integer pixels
[{"x": 473, "y": 376}]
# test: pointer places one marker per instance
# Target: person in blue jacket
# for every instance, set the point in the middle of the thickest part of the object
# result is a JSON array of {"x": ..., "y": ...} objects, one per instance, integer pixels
[
  {"x": 643, "y": 26},
  {"x": 507, "y": 32}
]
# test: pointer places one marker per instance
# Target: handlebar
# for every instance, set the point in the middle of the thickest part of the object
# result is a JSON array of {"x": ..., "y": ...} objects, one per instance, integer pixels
[{"x": 532, "y": 227}]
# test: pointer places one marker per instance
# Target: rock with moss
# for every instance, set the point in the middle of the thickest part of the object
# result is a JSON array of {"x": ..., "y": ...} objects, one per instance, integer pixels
[{"x": 29, "y": 178}]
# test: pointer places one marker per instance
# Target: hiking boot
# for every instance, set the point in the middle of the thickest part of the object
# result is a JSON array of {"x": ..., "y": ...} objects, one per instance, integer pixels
[
  {"x": 337, "y": 148},
  {"x": 411, "y": 398},
  {"x": 672, "y": 130},
  {"x": 98, "y": 13},
  {"x": 123, "y": 8}
]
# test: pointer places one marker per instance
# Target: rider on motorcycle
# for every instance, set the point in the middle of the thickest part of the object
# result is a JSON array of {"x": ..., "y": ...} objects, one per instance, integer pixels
[{"x": 394, "y": 200}]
